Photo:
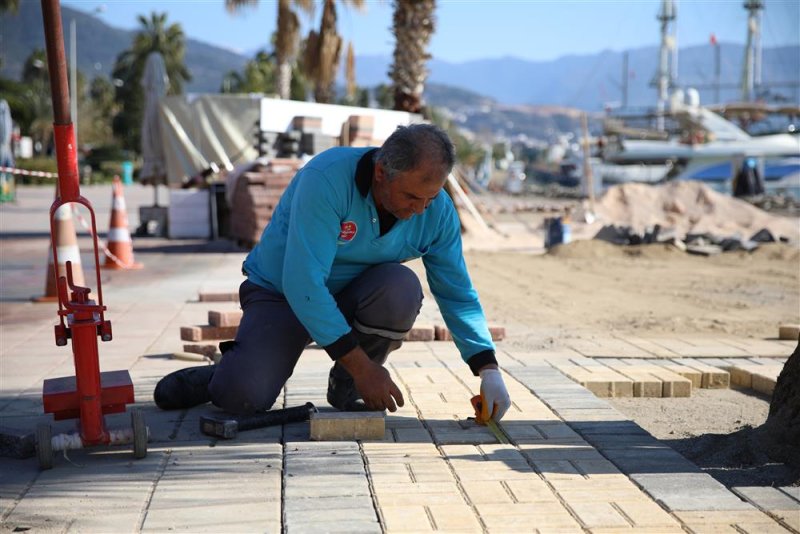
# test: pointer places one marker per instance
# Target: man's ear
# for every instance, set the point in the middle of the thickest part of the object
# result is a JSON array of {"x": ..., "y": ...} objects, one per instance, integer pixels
[{"x": 380, "y": 172}]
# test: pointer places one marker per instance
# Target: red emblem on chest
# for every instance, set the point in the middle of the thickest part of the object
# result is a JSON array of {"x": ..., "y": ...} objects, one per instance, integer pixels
[{"x": 348, "y": 232}]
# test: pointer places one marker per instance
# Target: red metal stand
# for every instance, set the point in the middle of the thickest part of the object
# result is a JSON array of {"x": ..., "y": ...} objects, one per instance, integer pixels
[{"x": 89, "y": 394}]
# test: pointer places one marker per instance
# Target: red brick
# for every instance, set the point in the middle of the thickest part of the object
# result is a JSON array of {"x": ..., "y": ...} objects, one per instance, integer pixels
[
  {"x": 224, "y": 318},
  {"x": 498, "y": 332},
  {"x": 443, "y": 334},
  {"x": 217, "y": 296},
  {"x": 205, "y": 332},
  {"x": 206, "y": 349},
  {"x": 420, "y": 333}
]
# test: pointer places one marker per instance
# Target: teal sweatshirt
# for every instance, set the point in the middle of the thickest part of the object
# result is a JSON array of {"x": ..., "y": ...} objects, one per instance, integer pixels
[{"x": 325, "y": 231}]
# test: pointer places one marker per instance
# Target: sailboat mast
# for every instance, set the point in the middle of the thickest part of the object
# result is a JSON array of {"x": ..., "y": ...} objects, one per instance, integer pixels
[
  {"x": 751, "y": 75},
  {"x": 665, "y": 16}
]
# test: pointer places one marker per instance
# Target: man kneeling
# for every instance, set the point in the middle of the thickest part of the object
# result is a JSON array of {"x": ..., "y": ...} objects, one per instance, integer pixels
[{"x": 328, "y": 268}]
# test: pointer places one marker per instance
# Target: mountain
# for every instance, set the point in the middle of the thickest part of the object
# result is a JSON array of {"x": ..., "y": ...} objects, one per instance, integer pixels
[
  {"x": 593, "y": 81},
  {"x": 587, "y": 82},
  {"x": 99, "y": 45}
]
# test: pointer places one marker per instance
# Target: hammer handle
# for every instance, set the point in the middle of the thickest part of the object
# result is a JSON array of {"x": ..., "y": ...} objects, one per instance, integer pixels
[{"x": 275, "y": 417}]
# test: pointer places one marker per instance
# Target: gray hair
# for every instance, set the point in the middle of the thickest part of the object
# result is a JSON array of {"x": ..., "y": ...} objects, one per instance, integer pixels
[{"x": 408, "y": 146}]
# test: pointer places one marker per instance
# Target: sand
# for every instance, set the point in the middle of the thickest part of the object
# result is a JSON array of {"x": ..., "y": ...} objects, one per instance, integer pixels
[{"x": 689, "y": 207}]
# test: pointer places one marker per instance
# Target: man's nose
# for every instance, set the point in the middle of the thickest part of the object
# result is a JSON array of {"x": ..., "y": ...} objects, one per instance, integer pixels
[{"x": 420, "y": 206}]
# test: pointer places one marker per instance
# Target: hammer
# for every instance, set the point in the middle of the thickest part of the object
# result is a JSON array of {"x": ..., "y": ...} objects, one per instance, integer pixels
[{"x": 228, "y": 426}]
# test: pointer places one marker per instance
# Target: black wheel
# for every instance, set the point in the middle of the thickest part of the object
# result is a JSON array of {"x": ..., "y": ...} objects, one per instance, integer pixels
[
  {"x": 44, "y": 446},
  {"x": 139, "y": 434}
]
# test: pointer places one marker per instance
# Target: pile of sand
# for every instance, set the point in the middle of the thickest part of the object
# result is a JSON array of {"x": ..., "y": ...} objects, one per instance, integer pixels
[{"x": 689, "y": 207}]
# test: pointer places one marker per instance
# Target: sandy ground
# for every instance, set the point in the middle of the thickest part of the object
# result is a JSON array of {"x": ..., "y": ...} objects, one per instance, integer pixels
[{"x": 592, "y": 286}]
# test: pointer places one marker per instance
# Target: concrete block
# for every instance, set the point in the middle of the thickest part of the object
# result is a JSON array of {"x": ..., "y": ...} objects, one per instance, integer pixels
[
  {"x": 224, "y": 318},
  {"x": 218, "y": 296},
  {"x": 713, "y": 377},
  {"x": 337, "y": 426},
  {"x": 205, "y": 332},
  {"x": 421, "y": 332},
  {"x": 768, "y": 498},
  {"x": 789, "y": 332},
  {"x": 693, "y": 375},
  {"x": 209, "y": 350},
  {"x": 763, "y": 384}
]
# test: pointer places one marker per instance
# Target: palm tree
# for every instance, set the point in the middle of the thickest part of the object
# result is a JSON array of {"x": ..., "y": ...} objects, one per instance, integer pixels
[
  {"x": 323, "y": 50},
  {"x": 9, "y": 5},
  {"x": 412, "y": 28},
  {"x": 155, "y": 35},
  {"x": 286, "y": 37}
]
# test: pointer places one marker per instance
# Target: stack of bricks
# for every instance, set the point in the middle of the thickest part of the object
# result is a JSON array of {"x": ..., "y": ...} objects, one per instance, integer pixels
[
  {"x": 357, "y": 131},
  {"x": 204, "y": 339},
  {"x": 255, "y": 197}
]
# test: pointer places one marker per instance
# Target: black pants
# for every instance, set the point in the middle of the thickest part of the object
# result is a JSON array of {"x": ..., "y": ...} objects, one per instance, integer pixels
[{"x": 381, "y": 306}]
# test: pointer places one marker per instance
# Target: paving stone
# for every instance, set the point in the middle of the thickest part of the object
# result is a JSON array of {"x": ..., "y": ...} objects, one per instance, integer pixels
[
  {"x": 768, "y": 498},
  {"x": 598, "y": 514},
  {"x": 421, "y": 332},
  {"x": 338, "y": 426},
  {"x": 713, "y": 378},
  {"x": 693, "y": 375},
  {"x": 645, "y": 513},
  {"x": 689, "y": 492},
  {"x": 502, "y": 517},
  {"x": 751, "y": 521},
  {"x": 218, "y": 296},
  {"x": 224, "y": 318},
  {"x": 454, "y": 518},
  {"x": 406, "y": 519},
  {"x": 789, "y": 331},
  {"x": 204, "y": 332}
]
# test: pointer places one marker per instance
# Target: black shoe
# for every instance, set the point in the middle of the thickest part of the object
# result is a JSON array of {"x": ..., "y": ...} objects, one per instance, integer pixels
[
  {"x": 185, "y": 388},
  {"x": 342, "y": 393}
]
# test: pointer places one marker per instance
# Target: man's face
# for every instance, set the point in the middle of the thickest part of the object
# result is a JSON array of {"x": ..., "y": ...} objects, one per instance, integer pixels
[{"x": 407, "y": 193}]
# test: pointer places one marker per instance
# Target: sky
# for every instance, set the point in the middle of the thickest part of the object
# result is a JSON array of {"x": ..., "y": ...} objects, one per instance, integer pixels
[{"x": 537, "y": 30}]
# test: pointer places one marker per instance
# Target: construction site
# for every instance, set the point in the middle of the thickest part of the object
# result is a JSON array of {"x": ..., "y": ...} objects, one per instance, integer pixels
[{"x": 647, "y": 335}]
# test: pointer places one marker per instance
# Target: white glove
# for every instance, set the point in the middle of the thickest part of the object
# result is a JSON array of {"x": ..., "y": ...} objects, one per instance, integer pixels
[{"x": 495, "y": 395}]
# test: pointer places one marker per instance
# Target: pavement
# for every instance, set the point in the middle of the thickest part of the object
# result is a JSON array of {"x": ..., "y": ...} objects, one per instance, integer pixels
[{"x": 573, "y": 464}]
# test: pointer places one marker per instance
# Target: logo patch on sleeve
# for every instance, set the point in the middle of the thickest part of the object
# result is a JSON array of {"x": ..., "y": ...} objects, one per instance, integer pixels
[{"x": 349, "y": 230}]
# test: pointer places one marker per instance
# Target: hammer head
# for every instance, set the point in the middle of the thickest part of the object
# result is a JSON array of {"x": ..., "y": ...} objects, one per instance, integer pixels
[{"x": 220, "y": 428}]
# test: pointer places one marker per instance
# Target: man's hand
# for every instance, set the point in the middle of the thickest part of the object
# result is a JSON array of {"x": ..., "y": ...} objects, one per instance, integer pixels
[
  {"x": 496, "y": 400},
  {"x": 372, "y": 381}
]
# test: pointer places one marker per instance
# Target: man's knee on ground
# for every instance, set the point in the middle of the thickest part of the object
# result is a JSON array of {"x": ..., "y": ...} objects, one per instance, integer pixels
[{"x": 241, "y": 396}]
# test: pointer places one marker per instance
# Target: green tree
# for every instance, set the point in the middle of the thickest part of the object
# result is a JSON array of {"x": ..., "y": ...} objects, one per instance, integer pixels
[
  {"x": 9, "y": 5},
  {"x": 97, "y": 113},
  {"x": 36, "y": 80},
  {"x": 286, "y": 39},
  {"x": 154, "y": 36},
  {"x": 412, "y": 28},
  {"x": 260, "y": 76}
]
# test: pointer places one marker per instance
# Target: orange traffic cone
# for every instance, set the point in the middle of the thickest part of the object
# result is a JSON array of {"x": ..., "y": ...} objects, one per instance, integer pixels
[
  {"x": 120, "y": 247},
  {"x": 67, "y": 247}
]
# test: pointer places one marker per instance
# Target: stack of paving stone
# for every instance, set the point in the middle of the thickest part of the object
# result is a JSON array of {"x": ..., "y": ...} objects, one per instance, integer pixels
[
  {"x": 311, "y": 140},
  {"x": 222, "y": 325},
  {"x": 358, "y": 130},
  {"x": 255, "y": 196}
]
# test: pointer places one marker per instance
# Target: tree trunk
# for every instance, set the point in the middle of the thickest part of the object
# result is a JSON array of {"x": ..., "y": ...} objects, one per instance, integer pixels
[
  {"x": 284, "y": 81},
  {"x": 286, "y": 47},
  {"x": 783, "y": 422},
  {"x": 413, "y": 25}
]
